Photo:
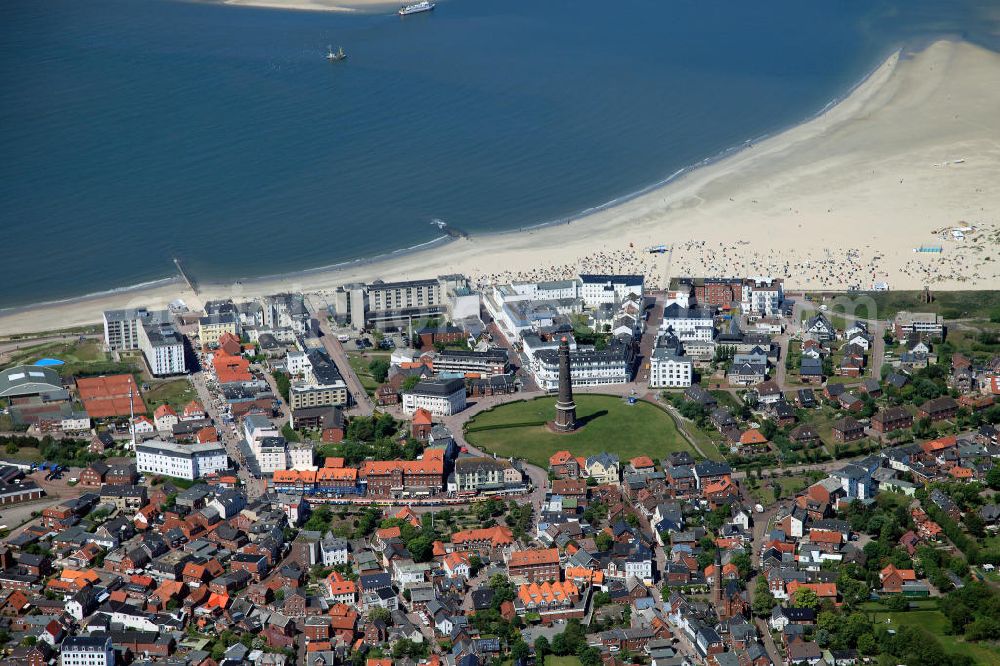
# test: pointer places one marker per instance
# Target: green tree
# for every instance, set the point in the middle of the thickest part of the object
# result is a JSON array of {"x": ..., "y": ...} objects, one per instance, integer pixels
[
  {"x": 519, "y": 651},
  {"x": 283, "y": 382},
  {"x": 805, "y": 597},
  {"x": 379, "y": 613},
  {"x": 379, "y": 368},
  {"x": 410, "y": 382},
  {"x": 542, "y": 647}
]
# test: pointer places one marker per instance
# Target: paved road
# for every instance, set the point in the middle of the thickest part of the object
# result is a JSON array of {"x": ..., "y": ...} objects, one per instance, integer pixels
[
  {"x": 361, "y": 404},
  {"x": 648, "y": 341},
  {"x": 254, "y": 487}
]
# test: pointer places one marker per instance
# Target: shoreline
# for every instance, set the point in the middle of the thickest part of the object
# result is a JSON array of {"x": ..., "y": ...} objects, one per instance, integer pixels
[{"x": 902, "y": 122}]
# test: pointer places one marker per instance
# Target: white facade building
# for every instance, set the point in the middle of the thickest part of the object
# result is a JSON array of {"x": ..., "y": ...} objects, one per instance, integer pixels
[
  {"x": 183, "y": 461},
  {"x": 668, "y": 369},
  {"x": 150, "y": 332},
  {"x": 588, "y": 367},
  {"x": 298, "y": 363},
  {"x": 598, "y": 289},
  {"x": 689, "y": 323},
  {"x": 441, "y": 397},
  {"x": 762, "y": 296},
  {"x": 87, "y": 651}
]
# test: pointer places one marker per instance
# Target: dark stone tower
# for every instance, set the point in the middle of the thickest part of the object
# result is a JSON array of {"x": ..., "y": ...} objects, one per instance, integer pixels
[{"x": 565, "y": 407}]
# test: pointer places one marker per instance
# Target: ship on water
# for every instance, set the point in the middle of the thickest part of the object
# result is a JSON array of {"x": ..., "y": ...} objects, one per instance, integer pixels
[
  {"x": 416, "y": 8},
  {"x": 334, "y": 56}
]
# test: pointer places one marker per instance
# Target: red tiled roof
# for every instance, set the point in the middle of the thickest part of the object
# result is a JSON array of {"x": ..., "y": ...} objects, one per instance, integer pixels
[
  {"x": 104, "y": 397},
  {"x": 432, "y": 463},
  {"x": 520, "y": 558}
]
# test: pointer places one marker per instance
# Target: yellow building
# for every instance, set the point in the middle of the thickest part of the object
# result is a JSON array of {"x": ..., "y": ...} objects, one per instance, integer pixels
[{"x": 212, "y": 327}]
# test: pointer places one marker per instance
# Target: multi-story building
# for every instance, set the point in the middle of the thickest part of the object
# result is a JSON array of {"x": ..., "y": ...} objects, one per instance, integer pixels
[
  {"x": 163, "y": 347},
  {"x": 668, "y": 368},
  {"x": 537, "y": 565},
  {"x": 484, "y": 363},
  {"x": 762, "y": 296},
  {"x": 184, "y": 461},
  {"x": 404, "y": 478},
  {"x": 323, "y": 384},
  {"x": 918, "y": 323},
  {"x": 481, "y": 473},
  {"x": 211, "y": 327},
  {"x": 440, "y": 397},
  {"x": 689, "y": 323},
  {"x": 392, "y": 303},
  {"x": 149, "y": 331},
  {"x": 892, "y": 418},
  {"x": 712, "y": 292},
  {"x": 94, "y": 650},
  {"x": 121, "y": 327},
  {"x": 598, "y": 289},
  {"x": 285, "y": 311},
  {"x": 588, "y": 367}
]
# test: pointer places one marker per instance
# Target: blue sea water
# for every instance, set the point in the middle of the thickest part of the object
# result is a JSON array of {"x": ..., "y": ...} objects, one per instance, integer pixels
[{"x": 133, "y": 131}]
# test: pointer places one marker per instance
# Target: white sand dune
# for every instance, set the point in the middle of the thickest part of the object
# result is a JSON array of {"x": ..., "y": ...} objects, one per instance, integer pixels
[{"x": 837, "y": 202}]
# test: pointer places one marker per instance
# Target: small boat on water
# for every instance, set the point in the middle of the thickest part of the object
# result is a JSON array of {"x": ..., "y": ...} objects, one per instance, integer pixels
[
  {"x": 416, "y": 8},
  {"x": 335, "y": 56}
]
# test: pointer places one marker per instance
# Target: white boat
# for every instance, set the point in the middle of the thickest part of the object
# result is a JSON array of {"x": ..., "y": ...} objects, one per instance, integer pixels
[
  {"x": 334, "y": 56},
  {"x": 416, "y": 8}
]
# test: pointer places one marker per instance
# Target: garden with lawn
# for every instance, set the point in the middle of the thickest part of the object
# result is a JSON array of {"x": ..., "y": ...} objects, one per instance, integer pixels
[
  {"x": 936, "y": 624},
  {"x": 608, "y": 424}
]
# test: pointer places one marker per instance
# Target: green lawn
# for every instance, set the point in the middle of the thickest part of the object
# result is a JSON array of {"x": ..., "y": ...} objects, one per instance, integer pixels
[
  {"x": 86, "y": 358},
  {"x": 360, "y": 363},
  {"x": 951, "y": 304},
  {"x": 610, "y": 424},
  {"x": 174, "y": 392},
  {"x": 790, "y": 485},
  {"x": 934, "y": 622},
  {"x": 552, "y": 660}
]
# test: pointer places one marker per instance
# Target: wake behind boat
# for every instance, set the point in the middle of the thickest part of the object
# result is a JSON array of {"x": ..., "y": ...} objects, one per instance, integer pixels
[{"x": 416, "y": 8}]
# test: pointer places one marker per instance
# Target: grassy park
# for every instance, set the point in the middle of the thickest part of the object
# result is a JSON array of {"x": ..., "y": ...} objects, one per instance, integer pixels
[
  {"x": 609, "y": 424},
  {"x": 935, "y": 623},
  {"x": 82, "y": 357},
  {"x": 175, "y": 392}
]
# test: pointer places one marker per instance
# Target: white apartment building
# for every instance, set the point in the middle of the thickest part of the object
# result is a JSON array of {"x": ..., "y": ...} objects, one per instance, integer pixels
[
  {"x": 668, "y": 369},
  {"x": 163, "y": 348},
  {"x": 87, "y": 651},
  {"x": 258, "y": 426},
  {"x": 183, "y": 461},
  {"x": 149, "y": 331},
  {"x": 762, "y": 296},
  {"x": 542, "y": 291},
  {"x": 271, "y": 454},
  {"x": 333, "y": 551},
  {"x": 441, "y": 397},
  {"x": 297, "y": 363},
  {"x": 588, "y": 367},
  {"x": 598, "y": 289},
  {"x": 689, "y": 323}
]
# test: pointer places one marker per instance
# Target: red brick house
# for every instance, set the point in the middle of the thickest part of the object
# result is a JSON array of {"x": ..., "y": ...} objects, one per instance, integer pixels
[
  {"x": 536, "y": 565},
  {"x": 893, "y": 579},
  {"x": 892, "y": 418},
  {"x": 938, "y": 409},
  {"x": 847, "y": 429}
]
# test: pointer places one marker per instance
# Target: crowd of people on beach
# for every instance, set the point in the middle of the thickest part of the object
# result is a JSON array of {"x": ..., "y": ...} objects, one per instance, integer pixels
[{"x": 863, "y": 268}]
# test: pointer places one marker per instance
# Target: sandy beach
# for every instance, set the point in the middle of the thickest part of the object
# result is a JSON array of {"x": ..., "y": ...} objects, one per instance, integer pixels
[{"x": 838, "y": 202}]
